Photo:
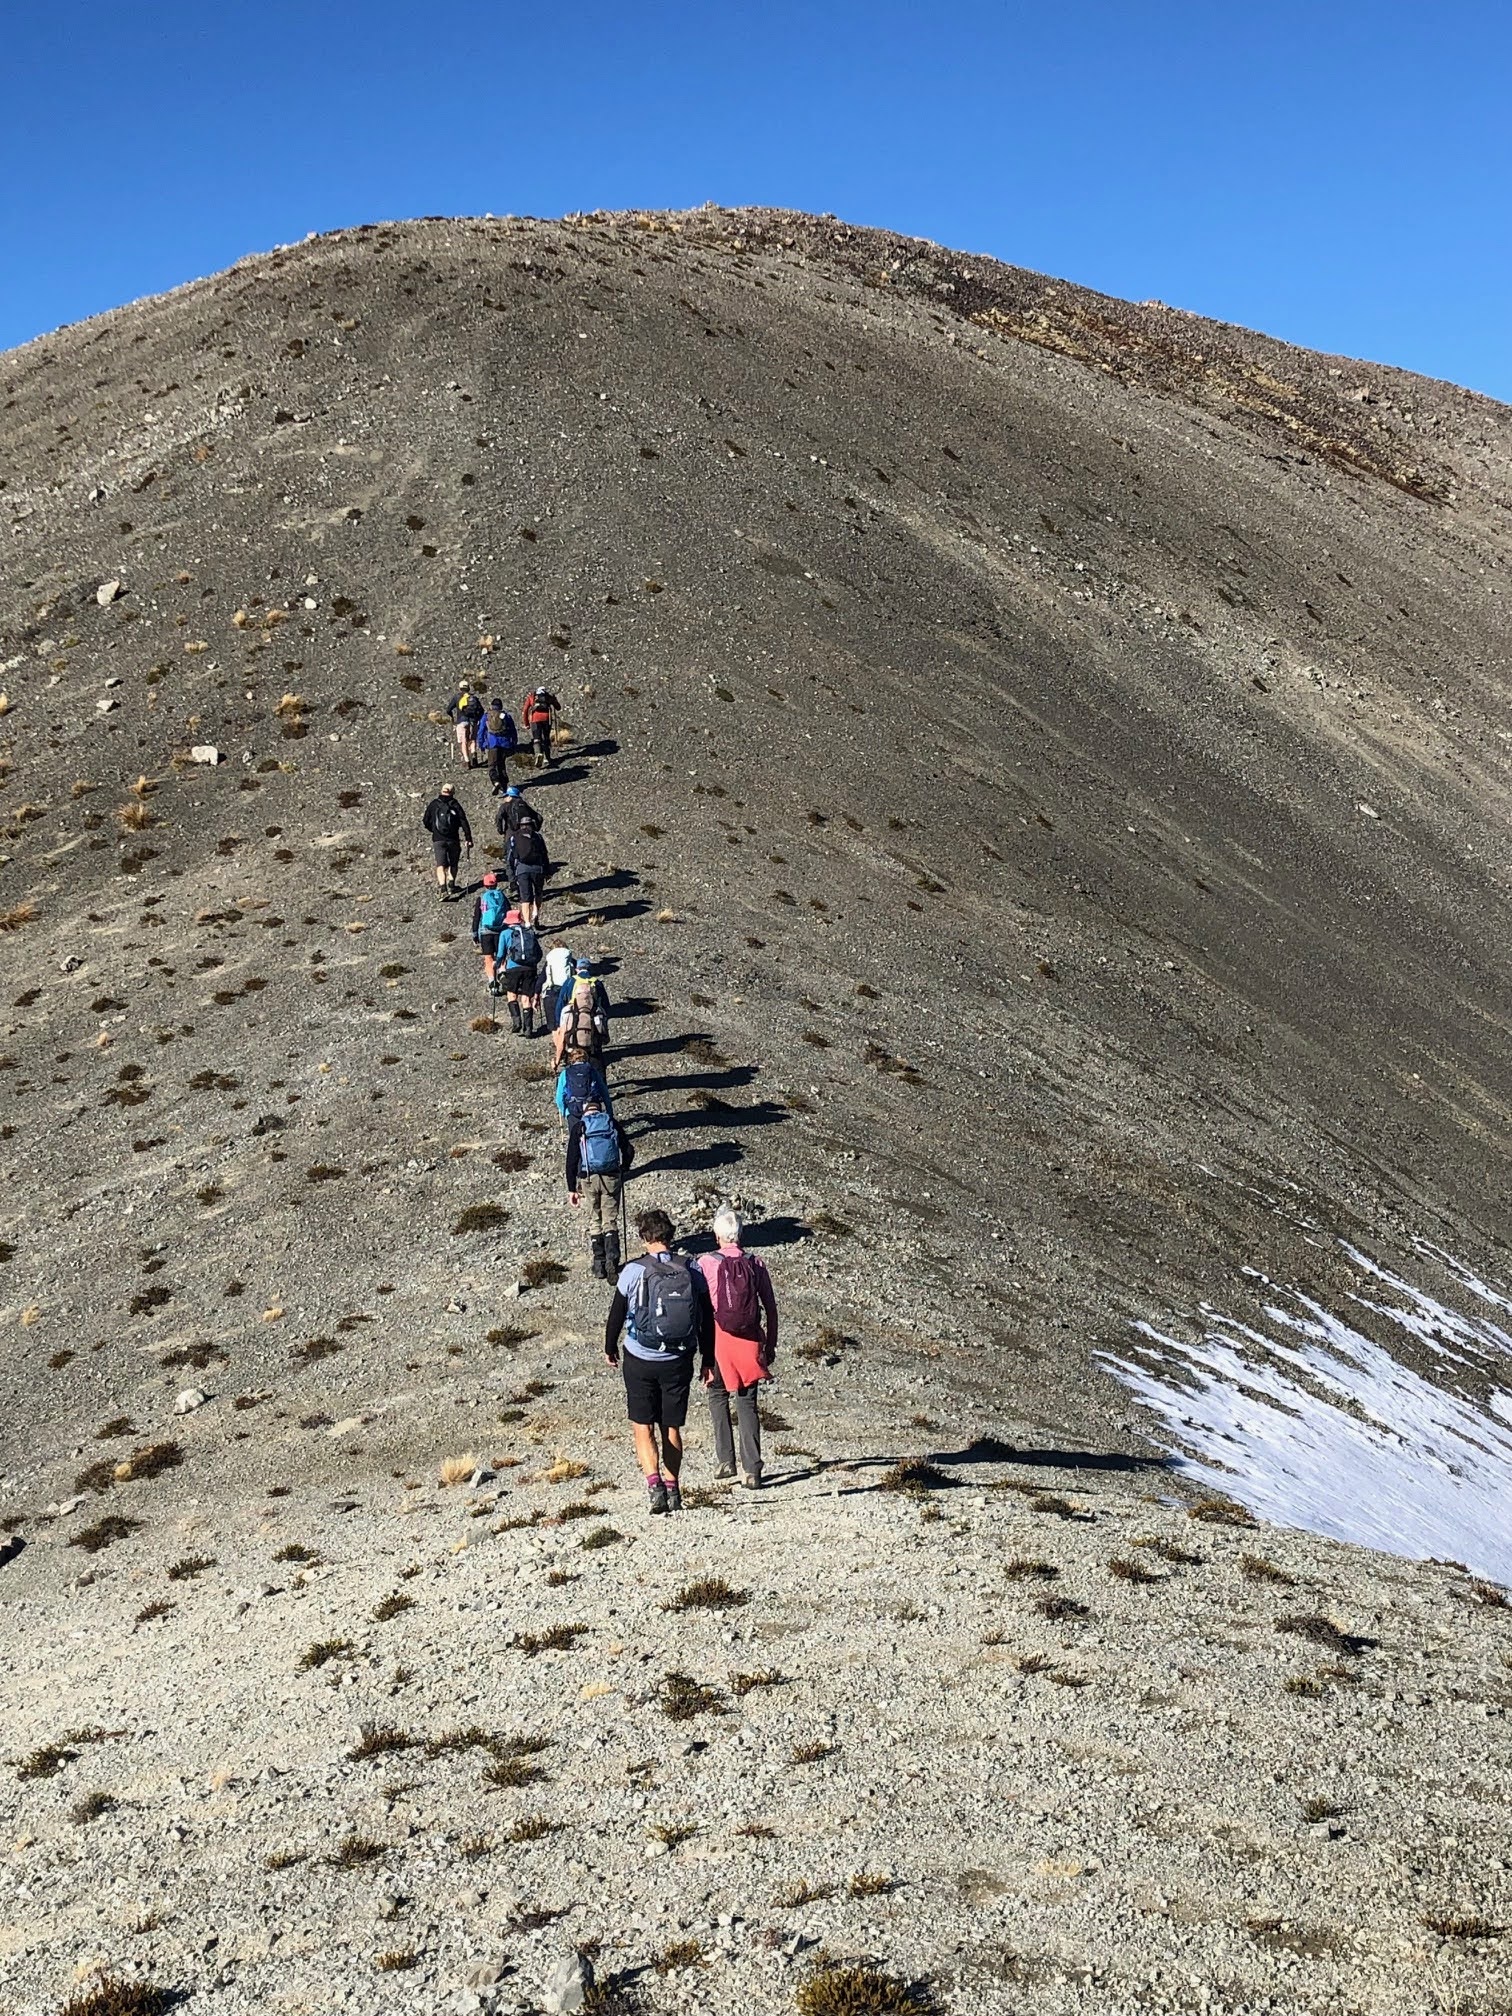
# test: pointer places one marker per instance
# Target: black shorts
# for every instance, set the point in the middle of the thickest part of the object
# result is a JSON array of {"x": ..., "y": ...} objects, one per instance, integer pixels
[
  {"x": 528, "y": 882},
  {"x": 520, "y": 980},
  {"x": 656, "y": 1392},
  {"x": 488, "y": 944},
  {"x": 447, "y": 852}
]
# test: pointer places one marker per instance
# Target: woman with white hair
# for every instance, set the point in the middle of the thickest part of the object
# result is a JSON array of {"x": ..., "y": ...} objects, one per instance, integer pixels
[{"x": 745, "y": 1343}]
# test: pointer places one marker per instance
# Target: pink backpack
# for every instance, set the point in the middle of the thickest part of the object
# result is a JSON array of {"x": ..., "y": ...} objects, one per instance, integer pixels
[{"x": 737, "y": 1302}]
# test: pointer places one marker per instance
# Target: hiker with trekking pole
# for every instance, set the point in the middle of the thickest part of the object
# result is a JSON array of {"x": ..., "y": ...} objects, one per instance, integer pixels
[{"x": 599, "y": 1155}]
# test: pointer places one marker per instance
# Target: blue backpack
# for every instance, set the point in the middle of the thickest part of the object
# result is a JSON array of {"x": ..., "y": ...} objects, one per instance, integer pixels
[
  {"x": 492, "y": 905},
  {"x": 524, "y": 946},
  {"x": 580, "y": 1083},
  {"x": 599, "y": 1150}
]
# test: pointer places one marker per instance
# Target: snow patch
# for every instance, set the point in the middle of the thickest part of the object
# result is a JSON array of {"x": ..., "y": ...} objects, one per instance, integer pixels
[{"x": 1313, "y": 1423}]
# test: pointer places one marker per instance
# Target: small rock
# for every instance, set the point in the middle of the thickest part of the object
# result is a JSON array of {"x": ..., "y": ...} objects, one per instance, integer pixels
[
  {"x": 189, "y": 1400},
  {"x": 106, "y": 705},
  {"x": 484, "y": 1975},
  {"x": 1369, "y": 810},
  {"x": 568, "y": 1986},
  {"x": 482, "y": 1475},
  {"x": 205, "y": 752},
  {"x": 108, "y": 592}
]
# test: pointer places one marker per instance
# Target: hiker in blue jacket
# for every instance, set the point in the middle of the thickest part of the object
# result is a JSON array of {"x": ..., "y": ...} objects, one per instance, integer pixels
[
  {"x": 578, "y": 1081},
  {"x": 489, "y": 911},
  {"x": 522, "y": 953},
  {"x": 497, "y": 740}
]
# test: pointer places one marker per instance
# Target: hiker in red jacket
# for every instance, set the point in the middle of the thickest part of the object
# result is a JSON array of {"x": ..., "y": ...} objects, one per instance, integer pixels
[
  {"x": 745, "y": 1343},
  {"x": 539, "y": 716}
]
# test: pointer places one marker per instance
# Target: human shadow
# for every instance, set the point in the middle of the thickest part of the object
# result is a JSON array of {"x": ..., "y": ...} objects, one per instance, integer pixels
[
  {"x": 605, "y": 746},
  {"x": 696, "y": 1081},
  {"x": 716, "y": 1155},
  {"x": 779, "y": 1231},
  {"x": 621, "y": 878},
  {"x": 660, "y": 1046},
  {"x": 634, "y": 1006},
  {"x": 989, "y": 1449},
  {"x": 614, "y": 913},
  {"x": 765, "y": 1113}
]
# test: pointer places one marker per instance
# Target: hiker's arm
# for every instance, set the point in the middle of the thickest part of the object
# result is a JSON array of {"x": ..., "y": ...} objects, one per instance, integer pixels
[
  {"x": 705, "y": 1318},
  {"x": 574, "y": 1155},
  {"x": 769, "y": 1305},
  {"x": 462, "y": 826},
  {"x": 614, "y": 1323}
]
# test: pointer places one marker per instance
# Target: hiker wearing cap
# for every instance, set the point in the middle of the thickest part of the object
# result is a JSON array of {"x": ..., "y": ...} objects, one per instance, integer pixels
[
  {"x": 488, "y": 919},
  {"x": 446, "y": 823},
  {"x": 745, "y": 1343},
  {"x": 579, "y": 1082},
  {"x": 557, "y": 969},
  {"x": 599, "y": 1154},
  {"x": 582, "y": 1020},
  {"x": 497, "y": 740},
  {"x": 466, "y": 711},
  {"x": 522, "y": 953},
  {"x": 539, "y": 715},
  {"x": 661, "y": 1310},
  {"x": 529, "y": 863}
]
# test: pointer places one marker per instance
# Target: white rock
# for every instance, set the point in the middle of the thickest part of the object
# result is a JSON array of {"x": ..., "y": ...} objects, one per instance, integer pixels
[
  {"x": 106, "y": 706},
  {"x": 108, "y": 592},
  {"x": 567, "y": 1985},
  {"x": 1369, "y": 810},
  {"x": 189, "y": 1400},
  {"x": 205, "y": 752}
]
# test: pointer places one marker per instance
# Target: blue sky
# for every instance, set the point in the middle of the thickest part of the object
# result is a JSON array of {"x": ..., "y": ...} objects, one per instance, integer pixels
[{"x": 1337, "y": 174}]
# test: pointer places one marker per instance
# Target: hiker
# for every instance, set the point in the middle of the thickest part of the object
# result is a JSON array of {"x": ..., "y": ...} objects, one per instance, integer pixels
[
  {"x": 515, "y": 808},
  {"x": 498, "y": 739},
  {"x": 446, "y": 823},
  {"x": 556, "y": 973},
  {"x": 745, "y": 1343},
  {"x": 582, "y": 1013},
  {"x": 488, "y": 919},
  {"x": 530, "y": 863},
  {"x": 661, "y": 1309},
  {"x": 539, "y": 715},
  {"x": 578, "y": 1081},
  {"x": 599, "y": 1154},
  {"x": 466, "y": 711},
  {"x": 522, "y": 952}
]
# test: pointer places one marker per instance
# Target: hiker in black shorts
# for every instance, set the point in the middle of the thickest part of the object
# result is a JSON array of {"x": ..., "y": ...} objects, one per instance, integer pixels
[
  {"x": 530, "y": 862},
  {"x": 661, "y": 1308},
  {"x": 522, "y": 988},
  {"x": 446, "y": 823}
]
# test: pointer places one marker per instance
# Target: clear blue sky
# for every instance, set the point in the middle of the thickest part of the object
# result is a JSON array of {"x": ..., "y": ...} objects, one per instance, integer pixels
[{"x": 1334, "y": 172}]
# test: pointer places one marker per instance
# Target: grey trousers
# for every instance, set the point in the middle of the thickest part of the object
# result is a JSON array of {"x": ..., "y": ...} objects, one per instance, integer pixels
[{"x": 750, "y": 1426}]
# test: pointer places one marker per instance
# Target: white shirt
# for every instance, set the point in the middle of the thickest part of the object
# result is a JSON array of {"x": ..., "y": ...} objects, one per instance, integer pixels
[{"x": 558, "y": 966}]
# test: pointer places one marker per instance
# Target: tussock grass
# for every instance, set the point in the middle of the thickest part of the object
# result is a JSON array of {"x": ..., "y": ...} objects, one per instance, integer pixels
[
  {"x": 1022, "y": 1569},
  {"x": 556, "y": 1638},
  {"x": 742, "y": 1684},
  {"x": 864, "y": 1990},
  {"x": 1058, "y": 1607},
  {"x": 683, "y": 1698},
  {"x": 322, "y": 1652},
  {"x": 46, "y": 1762},
  {"x": 870, "y": 1883},
  {"x": 1323, "y": 1631},
  {"x": 1450, "y": 1925},
  {"x": 679, "y": 1954},
  {"x": 1221, "y": 1512},
  {"x": 19, "y": 915},
  {"x": 190, "y": 1565},
  {"x": 355, "y": 1851},
  {"x": 1124, "y": 1570},
  {"x": 93, "y": 1806},
  {"x": 710, "y": 1592},
  {"x": 113, "y": 1995},
  {"x": 601, "y": 1536},
  {"x": 542, "y": 1272},
  {"x": 914, "y": 1476},
  {"x": 380, "y": 1742},
  {"x": 1167, "y": 1550},
  {"x": 397, "y": 1960},
  {"x": 510, "y": 1336},
  {"x": 811, "y": 1753},
  {"x": 534, "y": 1827},
  {"x": 105, "y": 1533},
  {"x": 480, "y": 1218},
  {"x": 457, "y": 1469},
  {"x": 1255, "y": 1568},
  {"x": 392, "y": 1606}
]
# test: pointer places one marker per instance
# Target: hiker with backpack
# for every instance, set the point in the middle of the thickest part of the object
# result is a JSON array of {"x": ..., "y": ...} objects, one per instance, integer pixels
[
  {"x": 661, "y": 1310},
  {"x": 579, "y": 1081},
  {"x": 745, "y": 1343},
  {"x": 556, "y": 974},
  {"x": 599, "y": 1154},
  {"x": 498, "y": 739},
  {"x": 539, "y": 715},
  {"x": 522, "y": 952},
  {"x": 446, "y": 823},
  {"x": 488, "y": 920},
  {"x": 582, "y": 1013},
  {"x": 529, "y": 864},
  {"x": 466, "y": 711}
]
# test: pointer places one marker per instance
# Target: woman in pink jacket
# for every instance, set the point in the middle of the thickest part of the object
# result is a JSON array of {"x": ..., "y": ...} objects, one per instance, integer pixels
[{"x": 745, "y": 1343}]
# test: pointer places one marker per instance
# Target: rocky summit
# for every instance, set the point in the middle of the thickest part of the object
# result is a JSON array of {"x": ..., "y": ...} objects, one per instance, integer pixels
[{"x": 1032, "y": 777}]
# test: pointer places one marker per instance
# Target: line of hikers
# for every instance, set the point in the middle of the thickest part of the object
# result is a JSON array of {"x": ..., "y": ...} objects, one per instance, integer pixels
[
  {"x": 487, "y": 736},
  {"x": 669, "y": 1312}
]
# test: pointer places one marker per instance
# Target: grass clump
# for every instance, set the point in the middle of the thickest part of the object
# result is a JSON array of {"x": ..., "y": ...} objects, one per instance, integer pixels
[
  {"x": 534, "y": 1827},
  {"x": 296, "y": 1552},
  {"x": 380, "y": 1742},
  {"x": 1255, "y": 1568},
  {"x": 742, "y": 1684},
  {"x": 392, "y": 1606},
  {"x": 112, "y": 1995},
  {"x": 542, "y": 1272},
  {"x": 514, "y": 1763},
  {"x": 105, "y": 1533},
  {"x": 1221, "y": 1512},
  {"x": 1024, "y": 1570},
  {"x": 91, "y": 1807},
  {"x": 510, "y": 1335},
  {"x": 355, "y": 1851},
  {"x": 556, "y": 1638},
  {"x": 190, "y": 1566},
  {"x": 1323, "y": 1631},
  {"x": 683, "y": 1698},
  {"x": 480, "y": 1218},
  {"x": 870, "y": 1883},
  {"x": 1124, "y": 1570},
  {"x": 711, "y": 1592},
  {"x": 681, "y": 1953},
  {"x": 1060, "y": 1607},
  {"x": 46, "y": 1762},
  {"x": 913, "y": 1476},
  {"x": 1450, "y": 1925},
  {"x": 322, "y": 1652},
  {"x": 397, "y": 1960},
  {"x": 1317, "y": 1808},
  {"x": 811, "y": 1753},
  {"x": 601, "y": 1536}
]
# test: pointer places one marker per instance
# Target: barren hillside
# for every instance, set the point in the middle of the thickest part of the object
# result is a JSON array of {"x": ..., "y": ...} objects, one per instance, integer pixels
[{"x": 1036, "y": 782}]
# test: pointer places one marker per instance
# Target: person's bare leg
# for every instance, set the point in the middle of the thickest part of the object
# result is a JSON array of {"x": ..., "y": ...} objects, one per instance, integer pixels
[
  {"x": 645, "y": 1449},
  {"x": 672, "y": 1454}
]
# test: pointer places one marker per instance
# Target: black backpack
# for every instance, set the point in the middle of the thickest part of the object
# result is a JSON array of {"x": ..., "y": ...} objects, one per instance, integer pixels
[
  {"x": 446, "y": 818},
  {"x": 666, "y": 1312}
]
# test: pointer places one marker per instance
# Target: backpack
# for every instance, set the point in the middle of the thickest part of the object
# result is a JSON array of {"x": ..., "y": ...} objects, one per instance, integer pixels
[
  {"x": 511, "y": 739},
  {"x": 581, "y": 1083},
  {"x": 529, "y": 850},
  {"x": 538, "y": 704},
  {"x": 599, "y": 1149},
  {"x": 737, "y": 1303},
  {"x": 524, "y": 946},
  {"x": 446, "y": 818},
  {"x": 579, "y": 1020},
  {"x": 491, "y": 907},
  {"x": 666, "y": 1314}
]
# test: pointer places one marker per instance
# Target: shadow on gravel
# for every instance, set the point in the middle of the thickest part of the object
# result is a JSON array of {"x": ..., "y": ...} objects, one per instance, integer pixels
[
  {"x": 614, "y": 913},
  {"x": 10, "y": 1548},
  {"x": 729, "y": 1080},
  {"x": 620, "y": 878},
  {"x": 717, "y": 1155},
  {"x": 634, "y": 1006},
  {"x": 987, "y": 1449},
  {"x": 661, "y": 1046}
]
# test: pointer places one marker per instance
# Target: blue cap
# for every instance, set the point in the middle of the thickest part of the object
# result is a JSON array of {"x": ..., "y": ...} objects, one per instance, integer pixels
[
  {"x": 584, "y": 966},
  {"x": 513, "y": 791}
]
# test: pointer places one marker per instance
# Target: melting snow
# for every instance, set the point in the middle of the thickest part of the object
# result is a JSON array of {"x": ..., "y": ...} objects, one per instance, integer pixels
[{"x": 1312, "y": 1423}]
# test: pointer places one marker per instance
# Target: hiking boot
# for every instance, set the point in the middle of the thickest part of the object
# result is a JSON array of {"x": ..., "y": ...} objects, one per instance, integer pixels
[
  {"x": 725, "y": 1471},
  {"x": 751, "y": 1482},
  {"x": 514, "y": 1016},
  {"x": 674, "y": 1495},
  {"x": 656, "y": 1492},
  {"x": 530, "y": 1021},
  {"x": 596, "y": 1265},
  {"x": 611, "y": 1256}
]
